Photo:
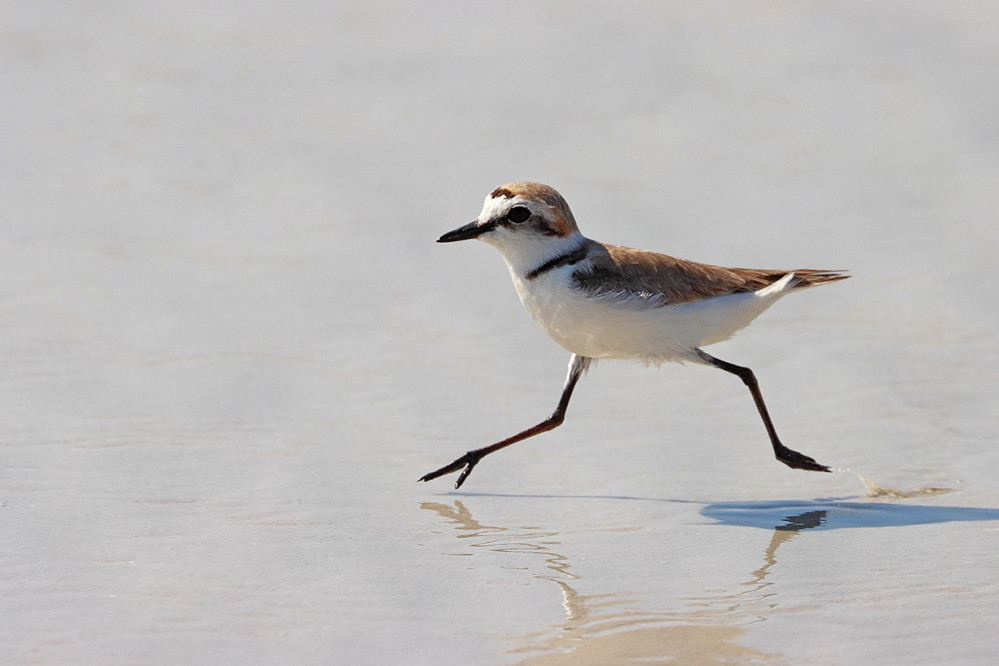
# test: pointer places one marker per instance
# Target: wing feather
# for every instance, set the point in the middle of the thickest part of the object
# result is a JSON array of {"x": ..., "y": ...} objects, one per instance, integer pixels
[{"x": 664, "y": 280}]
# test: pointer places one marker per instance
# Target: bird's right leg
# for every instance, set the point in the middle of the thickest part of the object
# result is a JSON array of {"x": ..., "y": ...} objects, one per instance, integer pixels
[{"x": 577, "y": 366}]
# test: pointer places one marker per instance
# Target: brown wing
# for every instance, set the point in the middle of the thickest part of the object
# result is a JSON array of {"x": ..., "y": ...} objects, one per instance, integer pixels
[{"x": 667, "y": 280}]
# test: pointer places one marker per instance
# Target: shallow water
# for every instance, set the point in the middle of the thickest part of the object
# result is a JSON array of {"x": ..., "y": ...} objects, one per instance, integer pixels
[{"x": 231, "y": 346}]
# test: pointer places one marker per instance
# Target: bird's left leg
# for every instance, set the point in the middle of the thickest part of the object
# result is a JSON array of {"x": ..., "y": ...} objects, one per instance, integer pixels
[{"x": 787, "y": 456}]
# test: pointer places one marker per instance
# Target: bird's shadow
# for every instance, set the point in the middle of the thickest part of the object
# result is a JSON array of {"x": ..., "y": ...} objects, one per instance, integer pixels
[
  {"x": 799, "y": 515},
  {"x": 831, "y": 514}
]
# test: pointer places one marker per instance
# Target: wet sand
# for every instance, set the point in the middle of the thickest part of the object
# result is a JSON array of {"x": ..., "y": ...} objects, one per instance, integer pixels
[{"x": 231, "y": 345}]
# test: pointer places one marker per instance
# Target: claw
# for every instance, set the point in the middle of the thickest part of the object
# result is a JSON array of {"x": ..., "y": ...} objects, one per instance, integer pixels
[
  {"x": 472, "y": 462},
  {"x": 468, "y": 461},
  {"x": 800, "y": 461}
]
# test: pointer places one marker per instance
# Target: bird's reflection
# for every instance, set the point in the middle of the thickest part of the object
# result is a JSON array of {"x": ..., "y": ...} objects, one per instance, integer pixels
[
  {"x": 803, "y": 521},
  {"x": 784, "y": 532},
  {"x": 756, "y": 587},
  {"x": 529, "y": 540},
  {"x": 607, "y": 628},
  {"x": 615, "y": 628}
]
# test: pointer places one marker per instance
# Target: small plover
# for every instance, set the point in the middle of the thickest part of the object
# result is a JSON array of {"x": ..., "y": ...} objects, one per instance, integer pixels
[{"x": 605, "y": 301}]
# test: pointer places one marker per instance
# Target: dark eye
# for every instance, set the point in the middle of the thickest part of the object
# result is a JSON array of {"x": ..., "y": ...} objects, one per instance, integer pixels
[{"x": 518, "y": 214}]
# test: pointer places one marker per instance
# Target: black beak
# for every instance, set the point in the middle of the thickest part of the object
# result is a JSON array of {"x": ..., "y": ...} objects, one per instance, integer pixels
[{"x": 471, "y": 230}]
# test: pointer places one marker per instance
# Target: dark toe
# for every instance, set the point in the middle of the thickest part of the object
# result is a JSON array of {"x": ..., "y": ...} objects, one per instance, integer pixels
[{"x": 801, "y": 461}]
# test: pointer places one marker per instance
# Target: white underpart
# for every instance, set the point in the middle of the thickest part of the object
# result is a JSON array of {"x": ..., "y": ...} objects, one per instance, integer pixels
[{"x": 628, "y": 326}]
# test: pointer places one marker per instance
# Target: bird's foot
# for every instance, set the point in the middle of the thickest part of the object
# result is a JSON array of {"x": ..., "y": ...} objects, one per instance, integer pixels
[
  {"x": 468, "y": 461},
  {"x": 799, "y": 460}
]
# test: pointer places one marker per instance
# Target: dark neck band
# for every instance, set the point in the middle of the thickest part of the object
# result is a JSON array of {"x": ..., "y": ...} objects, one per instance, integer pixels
[{"x": 567, "y": 259}]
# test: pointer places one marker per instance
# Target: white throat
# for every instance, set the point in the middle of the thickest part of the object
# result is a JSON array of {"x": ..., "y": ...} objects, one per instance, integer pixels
[{"x": 525, "y": 253}]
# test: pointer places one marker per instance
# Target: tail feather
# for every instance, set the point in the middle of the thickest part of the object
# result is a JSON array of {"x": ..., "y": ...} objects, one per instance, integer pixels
[
  {"x": 756, "y": 279},
  {"x": 808, "y": 277}
]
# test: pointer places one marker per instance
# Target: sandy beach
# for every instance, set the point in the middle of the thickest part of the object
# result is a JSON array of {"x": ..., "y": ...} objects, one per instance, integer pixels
[{"x": 231, "y": 345}]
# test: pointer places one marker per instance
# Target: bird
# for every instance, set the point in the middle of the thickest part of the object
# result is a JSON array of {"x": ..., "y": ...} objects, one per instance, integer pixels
[{"x": 602, "y": 301}]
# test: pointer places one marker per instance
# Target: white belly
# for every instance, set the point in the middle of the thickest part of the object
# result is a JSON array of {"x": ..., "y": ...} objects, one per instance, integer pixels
[{"x": 616, "y": 326}]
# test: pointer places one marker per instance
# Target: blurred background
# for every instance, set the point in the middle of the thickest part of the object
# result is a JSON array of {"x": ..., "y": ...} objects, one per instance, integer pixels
[{"x": 231, "y": 346}]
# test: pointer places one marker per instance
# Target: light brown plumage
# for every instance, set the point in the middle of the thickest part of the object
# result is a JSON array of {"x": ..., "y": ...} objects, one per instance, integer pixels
[{"x": 674, "y": 281}]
